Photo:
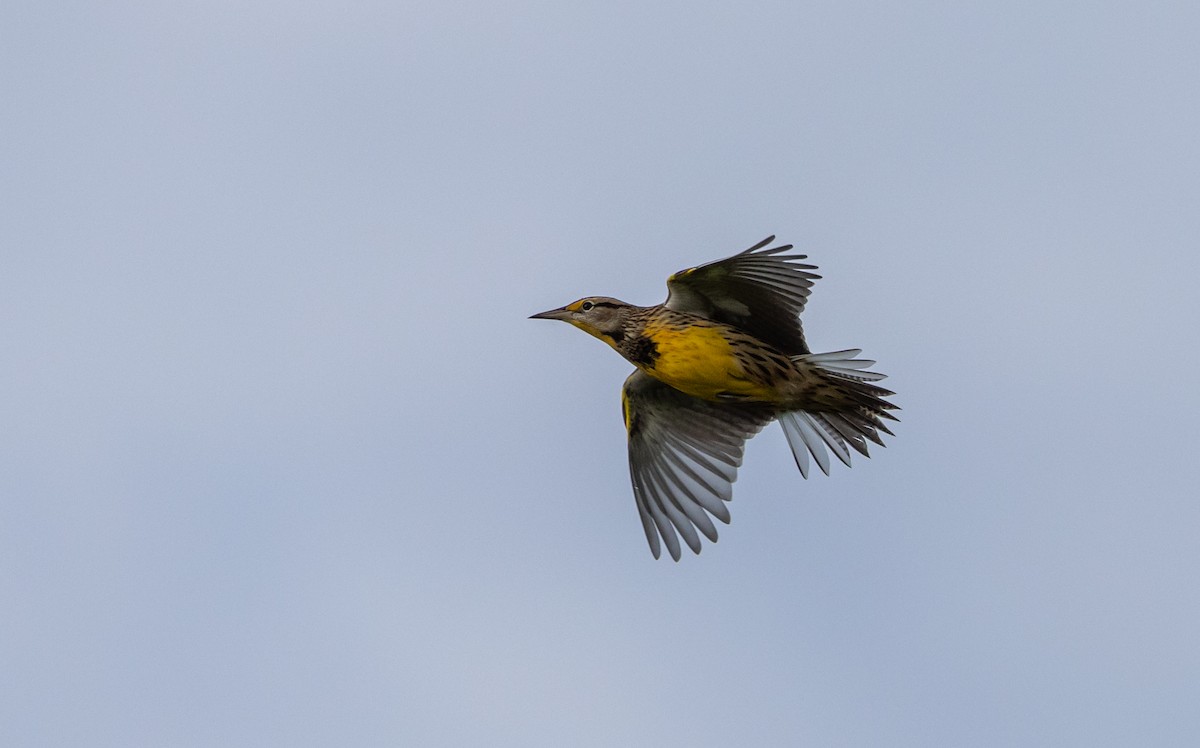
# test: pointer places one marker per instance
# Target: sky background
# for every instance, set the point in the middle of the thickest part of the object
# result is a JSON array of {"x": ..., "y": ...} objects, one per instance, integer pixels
[{"x": 282, "y": 461}]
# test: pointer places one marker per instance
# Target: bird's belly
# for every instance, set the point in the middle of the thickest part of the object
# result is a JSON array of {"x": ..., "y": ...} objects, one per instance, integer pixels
[{"x": 700, "y": 362}]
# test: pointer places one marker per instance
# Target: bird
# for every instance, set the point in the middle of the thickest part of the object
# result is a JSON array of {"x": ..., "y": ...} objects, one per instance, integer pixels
[{"x": 715, "y": 363}]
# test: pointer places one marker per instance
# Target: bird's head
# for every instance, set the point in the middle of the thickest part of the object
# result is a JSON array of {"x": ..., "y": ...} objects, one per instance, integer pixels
[{"x": 596, "y": 315}]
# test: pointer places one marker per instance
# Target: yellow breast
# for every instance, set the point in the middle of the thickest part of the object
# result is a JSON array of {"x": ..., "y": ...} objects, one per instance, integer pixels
[{"x": 699, "y": 360}]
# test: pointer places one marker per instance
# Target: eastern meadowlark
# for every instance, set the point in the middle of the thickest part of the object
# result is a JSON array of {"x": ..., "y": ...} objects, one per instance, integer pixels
[{"x": 721, "y": 358}]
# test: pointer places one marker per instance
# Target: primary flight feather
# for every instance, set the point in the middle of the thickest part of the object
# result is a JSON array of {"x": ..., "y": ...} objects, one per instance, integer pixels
[{"x": 721, "y": 358}]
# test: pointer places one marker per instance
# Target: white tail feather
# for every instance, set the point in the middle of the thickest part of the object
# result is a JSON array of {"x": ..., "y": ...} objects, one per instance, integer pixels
[
  {"x": 817, "y": 433},
  {"x": 804, "y": 437},
  {"x": 844, "y": 364}
]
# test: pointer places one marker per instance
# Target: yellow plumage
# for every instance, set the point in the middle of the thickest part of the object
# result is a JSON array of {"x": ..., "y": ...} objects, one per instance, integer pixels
[
  {"x": 721, "y": 358},
  {"x": 701, "y": 361}
]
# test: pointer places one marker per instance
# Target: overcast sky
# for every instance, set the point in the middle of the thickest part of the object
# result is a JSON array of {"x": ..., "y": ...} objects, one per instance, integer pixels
[{"x": 282, "y": 461}]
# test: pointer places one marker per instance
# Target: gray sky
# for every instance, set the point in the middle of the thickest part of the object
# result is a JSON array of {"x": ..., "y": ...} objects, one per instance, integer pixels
[{"x": 283, "y": 463}]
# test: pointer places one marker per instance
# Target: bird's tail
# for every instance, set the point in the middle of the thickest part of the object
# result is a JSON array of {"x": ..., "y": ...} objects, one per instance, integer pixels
[{"x": 859, "y": 417}]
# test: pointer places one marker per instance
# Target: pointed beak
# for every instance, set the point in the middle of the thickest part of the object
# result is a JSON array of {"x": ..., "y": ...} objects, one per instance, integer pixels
[{"x": 560, "y": 313}]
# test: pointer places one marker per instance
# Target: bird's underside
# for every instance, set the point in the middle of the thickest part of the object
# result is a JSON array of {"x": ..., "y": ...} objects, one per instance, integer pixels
[{"x": 719, "y": 360}]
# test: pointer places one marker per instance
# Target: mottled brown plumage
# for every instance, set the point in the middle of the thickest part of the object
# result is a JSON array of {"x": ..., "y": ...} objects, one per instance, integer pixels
[{"x": 723, "y": 356}]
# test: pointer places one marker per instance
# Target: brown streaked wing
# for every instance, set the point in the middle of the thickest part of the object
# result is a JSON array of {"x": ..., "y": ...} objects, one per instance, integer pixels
[
  {"x": 761, "y": 291},
  {"x": 683, "y": 459}
]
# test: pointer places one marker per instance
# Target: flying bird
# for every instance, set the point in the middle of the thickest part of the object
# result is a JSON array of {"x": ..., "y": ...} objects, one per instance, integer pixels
[{"x": 721, "y": 358}]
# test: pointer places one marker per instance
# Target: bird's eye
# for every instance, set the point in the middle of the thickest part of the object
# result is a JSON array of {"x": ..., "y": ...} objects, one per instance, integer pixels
[{"x": 586, "y": 306}]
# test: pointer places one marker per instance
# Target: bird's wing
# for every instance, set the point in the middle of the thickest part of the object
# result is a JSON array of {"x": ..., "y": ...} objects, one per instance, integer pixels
[
  {"x": 760, "y": 291},
  {"x": 683, "y": 458}
]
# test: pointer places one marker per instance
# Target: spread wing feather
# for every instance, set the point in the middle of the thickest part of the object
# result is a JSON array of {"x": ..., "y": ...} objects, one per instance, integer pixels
[
  {"x": 683, "y": 459},
  {"x": 760, "y": 291}
]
